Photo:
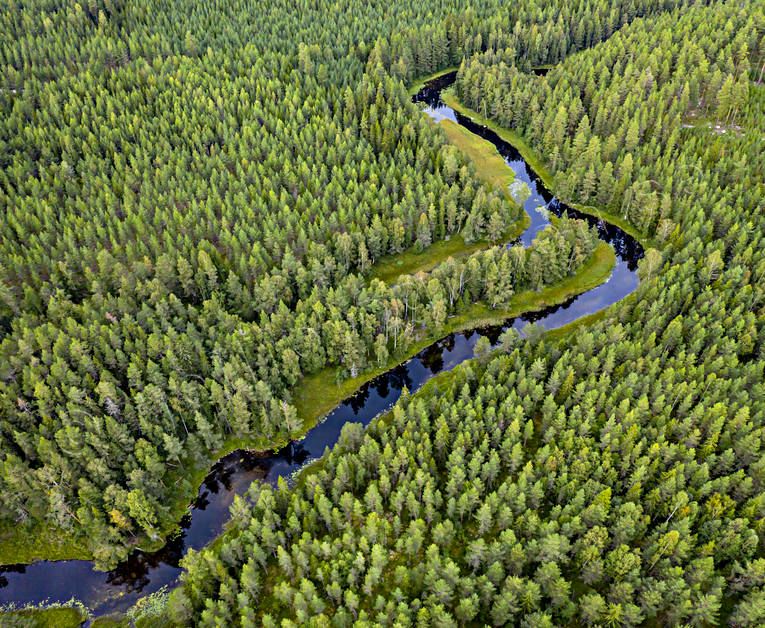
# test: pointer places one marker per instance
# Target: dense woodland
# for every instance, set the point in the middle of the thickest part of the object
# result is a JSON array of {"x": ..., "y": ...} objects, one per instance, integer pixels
[
  {"x": 194, "y": 196},
  {"x": 614, "y": 477},
  {"x": 185, "y": 234}
]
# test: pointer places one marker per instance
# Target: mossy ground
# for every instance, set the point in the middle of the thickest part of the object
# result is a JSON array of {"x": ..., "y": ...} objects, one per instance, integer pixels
[
  {"x": 24, "y": 544},
  {"x": 43, "y": 618}
]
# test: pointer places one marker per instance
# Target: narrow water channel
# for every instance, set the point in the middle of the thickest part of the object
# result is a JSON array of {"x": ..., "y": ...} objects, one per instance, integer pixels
[{"x": 143, "y": 573}]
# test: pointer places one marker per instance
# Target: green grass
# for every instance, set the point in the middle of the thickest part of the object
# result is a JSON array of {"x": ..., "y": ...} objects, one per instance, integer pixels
[
  {"x": 490, "y": 165},
  {"x": 25, "y": 544},
  {"x": 319, "y": 393},
  {"x": 410, "y": 262},
  {"x": 510, "y": 136},
  {"x": 588, "y": 320},
  {"x": 43, "y": 618}
]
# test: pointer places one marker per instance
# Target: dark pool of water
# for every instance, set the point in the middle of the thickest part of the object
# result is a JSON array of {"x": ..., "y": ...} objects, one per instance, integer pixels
[{"x": 145, "y": 572}]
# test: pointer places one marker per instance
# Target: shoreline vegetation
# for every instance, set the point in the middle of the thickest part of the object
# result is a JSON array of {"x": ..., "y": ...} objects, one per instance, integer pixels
[
  {"x": 61, "y": 617},
  {"x": 49, "y": 544},
  {"x": 595, "y": 270}
]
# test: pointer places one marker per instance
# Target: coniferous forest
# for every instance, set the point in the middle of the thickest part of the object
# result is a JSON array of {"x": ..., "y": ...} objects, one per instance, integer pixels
[{"x": 220, "y": 219}]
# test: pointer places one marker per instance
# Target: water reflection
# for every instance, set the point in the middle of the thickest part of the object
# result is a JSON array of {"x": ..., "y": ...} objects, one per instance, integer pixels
[{"x": 145, "y": 572}]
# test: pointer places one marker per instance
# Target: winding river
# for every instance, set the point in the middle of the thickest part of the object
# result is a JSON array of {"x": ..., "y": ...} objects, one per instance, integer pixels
[{"x": 143, "y": 573}]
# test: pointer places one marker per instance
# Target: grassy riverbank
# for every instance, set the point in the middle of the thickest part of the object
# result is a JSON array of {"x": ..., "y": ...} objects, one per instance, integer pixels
[
  {"x": 410, "y": 262},
  {"x": 44, "y": 618},
  {"x": 490, "y": 166},
  {"x": 20, "y": 544}
]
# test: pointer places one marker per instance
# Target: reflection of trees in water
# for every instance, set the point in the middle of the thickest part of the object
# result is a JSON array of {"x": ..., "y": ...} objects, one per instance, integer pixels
[
  {"x": 400, "y": 377},
  {"x": 220, "y": 476},
  {"x": 360, "y": 398},
  {"x": 381, "y": 386},
  {"x": 432, "y": 357},
  {"x": 492, "y": 332},
  {"x": 535, "y": 317},
  {"x": 21, "y": 569},
  {"x": 133, "y": 573},
  {"x": 431, "y": 93},
  {"x": 202, "y": 501},
  {"x": 293, "y": 454}
]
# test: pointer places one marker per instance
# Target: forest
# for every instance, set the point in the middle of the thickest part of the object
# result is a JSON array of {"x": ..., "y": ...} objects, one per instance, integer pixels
[{"x": 197, "y": 202}]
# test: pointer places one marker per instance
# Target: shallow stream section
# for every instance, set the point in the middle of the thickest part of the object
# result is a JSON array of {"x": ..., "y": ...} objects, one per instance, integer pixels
[{"x": 145, "y": 572}]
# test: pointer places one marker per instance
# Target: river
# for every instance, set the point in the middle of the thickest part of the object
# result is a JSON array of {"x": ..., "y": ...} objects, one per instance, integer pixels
[{"x": 145, "y": 572}]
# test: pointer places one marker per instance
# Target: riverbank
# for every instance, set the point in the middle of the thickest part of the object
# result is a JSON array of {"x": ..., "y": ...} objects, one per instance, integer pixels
[
  {"x": 410, "y": 262},
  {"x": 490, "y": 166},
  {"x": 22, "y": 545},
  {"x": 68, "y": 617}
]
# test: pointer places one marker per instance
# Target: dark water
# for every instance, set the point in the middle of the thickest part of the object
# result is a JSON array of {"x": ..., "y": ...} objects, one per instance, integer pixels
[{"x": 143, "y": 573}]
